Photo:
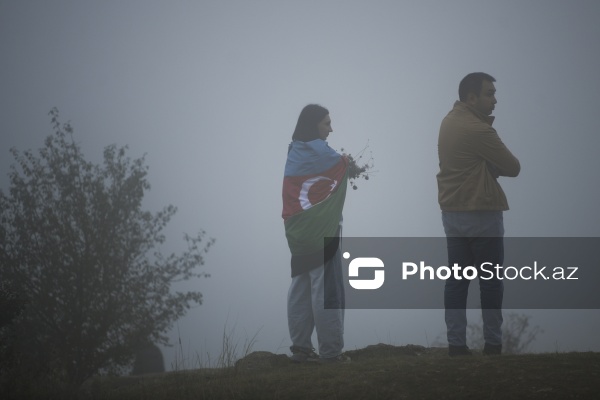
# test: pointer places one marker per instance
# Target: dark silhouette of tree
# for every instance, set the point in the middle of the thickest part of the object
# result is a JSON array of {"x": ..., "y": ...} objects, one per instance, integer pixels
[
  {"x": 11, "y": 306},
  {"x": 76, "y": 244},
  {"x": 148, "y": 359}
]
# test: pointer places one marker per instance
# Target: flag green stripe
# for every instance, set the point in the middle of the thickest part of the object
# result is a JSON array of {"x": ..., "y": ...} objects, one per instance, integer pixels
[{"x": 306, "y": 231}]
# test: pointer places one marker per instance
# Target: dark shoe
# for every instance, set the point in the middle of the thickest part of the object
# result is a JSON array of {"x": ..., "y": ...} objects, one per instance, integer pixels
[
  {"x": 457, "y": 351},
  {"x": 301, "y": 355},
  {"x": 492, "y": 350}
]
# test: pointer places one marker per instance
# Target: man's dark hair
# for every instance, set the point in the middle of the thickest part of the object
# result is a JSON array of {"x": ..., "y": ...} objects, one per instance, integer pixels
[
  {"x": 306, "y": 127},
  {"x": 472, "y": 83}
]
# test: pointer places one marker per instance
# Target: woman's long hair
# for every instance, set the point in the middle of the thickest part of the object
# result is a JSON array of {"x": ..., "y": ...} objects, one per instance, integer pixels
[{"x": 306, "y": 127}]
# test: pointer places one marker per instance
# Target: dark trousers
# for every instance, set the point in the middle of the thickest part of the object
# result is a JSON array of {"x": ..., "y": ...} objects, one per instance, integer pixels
[{"x": 473, "y": 238}]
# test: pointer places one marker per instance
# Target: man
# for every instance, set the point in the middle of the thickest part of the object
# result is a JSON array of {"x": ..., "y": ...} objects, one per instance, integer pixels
[{"x": 472, "y": 157}]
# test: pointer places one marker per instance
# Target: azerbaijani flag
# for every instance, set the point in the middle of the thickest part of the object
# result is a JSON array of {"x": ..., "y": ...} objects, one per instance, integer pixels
[{"x": 314, "y": 191}]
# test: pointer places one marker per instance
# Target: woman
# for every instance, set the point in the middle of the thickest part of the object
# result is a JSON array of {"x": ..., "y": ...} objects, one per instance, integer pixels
[{"x": 314, "y": 190}]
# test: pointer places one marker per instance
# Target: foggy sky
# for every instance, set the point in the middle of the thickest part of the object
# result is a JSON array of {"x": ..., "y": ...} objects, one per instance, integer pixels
[{"x": 210, "y": 92}]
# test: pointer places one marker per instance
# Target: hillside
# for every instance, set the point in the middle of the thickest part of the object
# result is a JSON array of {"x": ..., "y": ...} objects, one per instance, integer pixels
[{"x": 376, "y": 372}]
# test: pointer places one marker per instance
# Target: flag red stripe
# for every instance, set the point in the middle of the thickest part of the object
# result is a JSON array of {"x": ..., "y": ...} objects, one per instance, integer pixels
[{"x": 302, "y": 192}]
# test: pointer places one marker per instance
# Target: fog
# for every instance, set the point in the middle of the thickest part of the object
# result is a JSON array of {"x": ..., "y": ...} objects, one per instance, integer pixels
[{"x": 210, "y": 92}]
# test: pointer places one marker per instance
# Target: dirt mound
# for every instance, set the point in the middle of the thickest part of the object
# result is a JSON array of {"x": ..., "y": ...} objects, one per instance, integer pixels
[
  {"x": 260, "y": 360},
  {"x": 264, "y": 360},
  {"x": 382, "y": 350}
]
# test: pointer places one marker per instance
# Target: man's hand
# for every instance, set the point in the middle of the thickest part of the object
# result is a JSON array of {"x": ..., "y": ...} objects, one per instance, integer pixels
[{"x": 493, "y": 170}]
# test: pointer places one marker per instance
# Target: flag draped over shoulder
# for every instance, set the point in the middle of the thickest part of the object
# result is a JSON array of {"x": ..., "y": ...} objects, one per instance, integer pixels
[{"x": 314, "y": 191}]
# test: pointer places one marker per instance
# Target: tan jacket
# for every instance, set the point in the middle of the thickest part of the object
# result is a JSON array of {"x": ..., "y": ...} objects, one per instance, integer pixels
[{"x": 471, "y": 157}]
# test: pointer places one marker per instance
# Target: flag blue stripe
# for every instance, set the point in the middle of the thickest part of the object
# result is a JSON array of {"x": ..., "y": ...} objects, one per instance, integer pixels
[{"x": 306, "y": 158}]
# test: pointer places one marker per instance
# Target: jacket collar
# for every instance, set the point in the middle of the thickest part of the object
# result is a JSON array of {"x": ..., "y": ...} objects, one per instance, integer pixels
[{"x": 488, "y": 119}]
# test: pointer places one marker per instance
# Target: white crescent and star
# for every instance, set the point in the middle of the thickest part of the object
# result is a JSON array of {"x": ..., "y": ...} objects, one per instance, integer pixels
[{"x": 303, "y": 197}]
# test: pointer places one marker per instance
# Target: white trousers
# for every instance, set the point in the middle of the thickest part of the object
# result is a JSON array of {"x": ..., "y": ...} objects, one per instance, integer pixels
[{"x": 306, "y": 309}]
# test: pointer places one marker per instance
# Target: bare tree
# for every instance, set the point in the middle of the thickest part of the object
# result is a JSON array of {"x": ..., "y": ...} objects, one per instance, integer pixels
[{"x": 517, "y": 334}]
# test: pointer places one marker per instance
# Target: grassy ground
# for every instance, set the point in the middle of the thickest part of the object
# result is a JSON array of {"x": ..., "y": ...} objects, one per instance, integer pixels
[{"x": 376, "y": 372}]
